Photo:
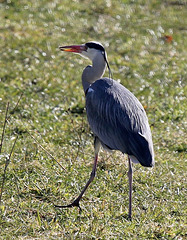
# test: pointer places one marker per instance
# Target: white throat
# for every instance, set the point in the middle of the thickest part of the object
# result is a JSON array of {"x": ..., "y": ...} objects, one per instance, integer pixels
[{"x": 94, "y": 72}]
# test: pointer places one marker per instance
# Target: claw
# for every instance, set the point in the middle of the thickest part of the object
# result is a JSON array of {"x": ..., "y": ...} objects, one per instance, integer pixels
[{"x": 73, "y": 204}]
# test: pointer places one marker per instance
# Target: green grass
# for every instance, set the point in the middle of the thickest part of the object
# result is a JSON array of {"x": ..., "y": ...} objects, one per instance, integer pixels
[{"x": 51, "y": 108}]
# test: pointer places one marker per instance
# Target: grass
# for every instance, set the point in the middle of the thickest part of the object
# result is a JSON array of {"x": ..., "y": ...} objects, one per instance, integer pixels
[{"x": 43, "y": 88}]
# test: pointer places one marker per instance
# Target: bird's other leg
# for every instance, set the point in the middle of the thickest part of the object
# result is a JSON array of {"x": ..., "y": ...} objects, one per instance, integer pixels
[
  {"x": 130, "y": 175},
  {"x": 75, "y": 203}
]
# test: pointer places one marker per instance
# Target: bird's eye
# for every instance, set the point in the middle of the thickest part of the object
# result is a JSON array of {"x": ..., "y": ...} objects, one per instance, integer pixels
[
  {"x": 103, "y": 52},
  {"x": 86, "y": 48}
]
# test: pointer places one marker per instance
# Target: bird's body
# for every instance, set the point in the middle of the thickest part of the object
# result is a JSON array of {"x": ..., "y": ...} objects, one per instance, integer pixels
[
  {"x": 112, "y": 114},
  {"x": 116, "y": 117}
]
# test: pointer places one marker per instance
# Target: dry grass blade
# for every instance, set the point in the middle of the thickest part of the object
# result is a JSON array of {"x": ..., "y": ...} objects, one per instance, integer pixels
[
  {"x": 46, "y": 151},
  {"x": 6, "y": 165},
  {"x": 13, "y": 110},
  {"x": 2, "y": 137}
]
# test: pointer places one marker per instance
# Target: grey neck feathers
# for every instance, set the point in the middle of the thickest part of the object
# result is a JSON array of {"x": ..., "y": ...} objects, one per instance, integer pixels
[{"x": 94, "y": 72}]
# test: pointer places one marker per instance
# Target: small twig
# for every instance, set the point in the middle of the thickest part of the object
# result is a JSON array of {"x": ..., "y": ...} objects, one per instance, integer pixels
[
  {"x": 6, "y": 165},
  {"x": 13, "y": 110},
  {"x": 46, "y": 151},
  {"x": 2, "y": 137}
]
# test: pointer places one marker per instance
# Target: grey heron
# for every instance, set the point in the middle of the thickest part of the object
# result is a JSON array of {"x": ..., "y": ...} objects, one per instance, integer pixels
[{"x": 115, "y": 115}]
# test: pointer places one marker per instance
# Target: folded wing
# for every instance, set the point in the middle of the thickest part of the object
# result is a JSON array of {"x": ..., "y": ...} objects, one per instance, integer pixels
[{"x": 118, "y": 119}]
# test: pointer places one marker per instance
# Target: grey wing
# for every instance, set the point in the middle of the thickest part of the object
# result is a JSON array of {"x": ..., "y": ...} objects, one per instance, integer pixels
[{"x": 118, "y": 119}]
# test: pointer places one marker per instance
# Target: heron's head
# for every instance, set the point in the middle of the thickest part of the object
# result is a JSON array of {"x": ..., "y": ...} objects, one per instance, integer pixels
[{"x": 89, "y": 50}]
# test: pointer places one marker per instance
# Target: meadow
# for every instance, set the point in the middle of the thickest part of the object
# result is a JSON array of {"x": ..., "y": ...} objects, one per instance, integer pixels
[{"x": 46, "y": 145}]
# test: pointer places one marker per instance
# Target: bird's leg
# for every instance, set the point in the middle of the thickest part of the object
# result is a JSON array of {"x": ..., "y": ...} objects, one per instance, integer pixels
[
  {"x": 130, "y": 174},
  {"x": 75, "y": 203}
]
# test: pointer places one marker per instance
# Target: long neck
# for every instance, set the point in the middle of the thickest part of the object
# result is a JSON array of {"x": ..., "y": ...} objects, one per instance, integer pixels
[{"x": 94, "y": 72}]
